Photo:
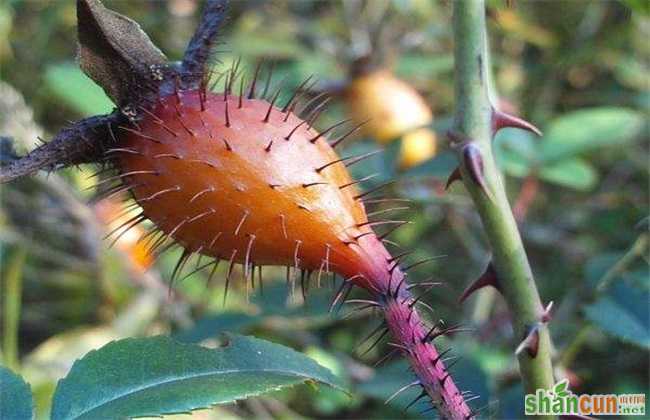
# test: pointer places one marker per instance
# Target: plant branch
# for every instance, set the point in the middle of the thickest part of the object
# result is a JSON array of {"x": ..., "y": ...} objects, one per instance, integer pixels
[
  {"x": 473, "y": 131},
  {"x": 82, "y": 142},
  {"x": 200, "y": 46}
]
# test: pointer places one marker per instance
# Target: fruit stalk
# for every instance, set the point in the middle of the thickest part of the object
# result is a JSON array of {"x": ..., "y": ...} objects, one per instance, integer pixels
[
  {"x": 414, "y": 339},
  {"x": 473, "y": 130}
]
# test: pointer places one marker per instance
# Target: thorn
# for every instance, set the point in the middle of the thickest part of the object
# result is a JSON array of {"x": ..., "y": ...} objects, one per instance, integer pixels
[
  {"x": 375, "y": 189},
  {"x": 502, "y": 119},
  {"x": 455, "y": 176},
  {"x": 386, "y": 357},
  {"x": 227, "y": 115},
  {"x": 361, "y": 235},
  {"x": 381, "y": 336},
  {"x": 444, "y": 379},
  {"x": 296, "y": 259},
  {"x": 383, "y": 211},
  {"x": 179, "y": 267},
  {"x": 214, "y": 240},
  {"x": 347, "y": 284},
  {"x": 212, "y": 272},
  {"x": 228, "y": 147},
  {"x": 144, "y": 136},
  {"x": 547, "y": 314},
  {"x": 364, "y": 301},
  {"x": 251, "y": 92},
  {"x": 358, "y": 181},
  {"x": 362, "y": 157},
  {"x": 452, "y": 364},
  {"x": 159, "y": 193},
  {"x": 312, "y": 101},
  {"x": 418, "y": 398},
  {"x": 435, "y": 361},
  {"x": 432, "y": 334},
  {"x": 230, "y": 267},
  {"x": 200, "y": 193},
  {"x": 327, "y": 130},
  {"x": 268, "y": 112},
  {"x": 352, "y": 160},
  {"x": 391, "y": 230},
  {"x": 284, "y": 226},
  {"x": 474, "y": 164},
  {"x": 348, "y": 134},
  {"x": 398, "y": 257},
  {"x": 417, "y": 299},
  {"x": 311, "y": 184},
  {"x": 488, "y": 278},
  {"x": 414, "y": 285},
  {"x": 424, "y": 261},
  {"x": 240, "y": 101},
  {"x": 316, "y": 113},
  {"x": 295, "y": 92},
  {"x": 268, "y": 146},
  {"x": 530, "y": 343},
  {"x": 288, "y": 136},
  {"x": 248, "y": 255},
  {"x": 241, "y": 222},
  {"x": 402, "y": 389},
  {"x": 379, "y": 223}
]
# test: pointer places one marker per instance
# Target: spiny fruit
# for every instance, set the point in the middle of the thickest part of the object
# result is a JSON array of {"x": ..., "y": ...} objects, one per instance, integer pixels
[
  {"x": 393, "y": 109},
  {"x": 240, "y": 180}
]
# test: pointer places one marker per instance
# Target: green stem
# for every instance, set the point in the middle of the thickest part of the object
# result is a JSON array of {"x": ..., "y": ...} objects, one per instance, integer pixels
[
  {"x": 474, "y": 120},
  {"x": 11, "y": 315}
]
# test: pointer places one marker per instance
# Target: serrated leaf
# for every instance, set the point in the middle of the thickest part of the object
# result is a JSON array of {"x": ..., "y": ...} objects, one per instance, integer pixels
[
  {"x": 77, "y": 90},
  {"x": 573, "y": 173},
  {"x": 589, "y": 129},
  {"x": 15, "y": 396},
  {"x": 152, "y": 376},
  {"x": 623, "y": 313}
]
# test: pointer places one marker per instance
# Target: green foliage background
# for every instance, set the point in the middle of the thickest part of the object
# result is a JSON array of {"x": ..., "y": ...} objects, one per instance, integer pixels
[{"x": 579, "y": 70}]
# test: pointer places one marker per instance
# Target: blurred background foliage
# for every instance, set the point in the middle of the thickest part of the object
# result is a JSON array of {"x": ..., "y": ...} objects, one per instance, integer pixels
[{"x": 578, "y": 69}]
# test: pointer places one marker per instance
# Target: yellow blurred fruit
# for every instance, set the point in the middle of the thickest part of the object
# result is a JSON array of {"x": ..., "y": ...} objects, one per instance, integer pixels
[
  {"x": 393, "y": 109},
  {"x": 417, "y": 146}
]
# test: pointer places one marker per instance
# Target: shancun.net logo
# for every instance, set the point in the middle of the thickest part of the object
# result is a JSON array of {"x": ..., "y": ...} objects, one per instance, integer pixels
[{"x": 560, "y": 400}]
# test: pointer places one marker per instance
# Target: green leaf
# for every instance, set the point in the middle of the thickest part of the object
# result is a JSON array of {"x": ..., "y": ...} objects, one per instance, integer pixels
[
  {"x": 623, "y": 313},
  {"x": 515, "y": 151},
  {"x": 156, "y": 375},
  {"x": 77, "y": 90},
  {"x": 15, "y": 396},
  {"x": 573, "y": 173},
  {"x": 589, "y": 129}
]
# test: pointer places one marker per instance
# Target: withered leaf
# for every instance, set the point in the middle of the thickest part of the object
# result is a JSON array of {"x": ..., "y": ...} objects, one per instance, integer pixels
[{"x": 115, "y": 52}]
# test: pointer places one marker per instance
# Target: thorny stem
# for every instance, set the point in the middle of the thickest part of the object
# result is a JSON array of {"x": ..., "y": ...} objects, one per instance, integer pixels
[
  {"x": 474, "y": 120},
  {"x": 416, "y": 341}
]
